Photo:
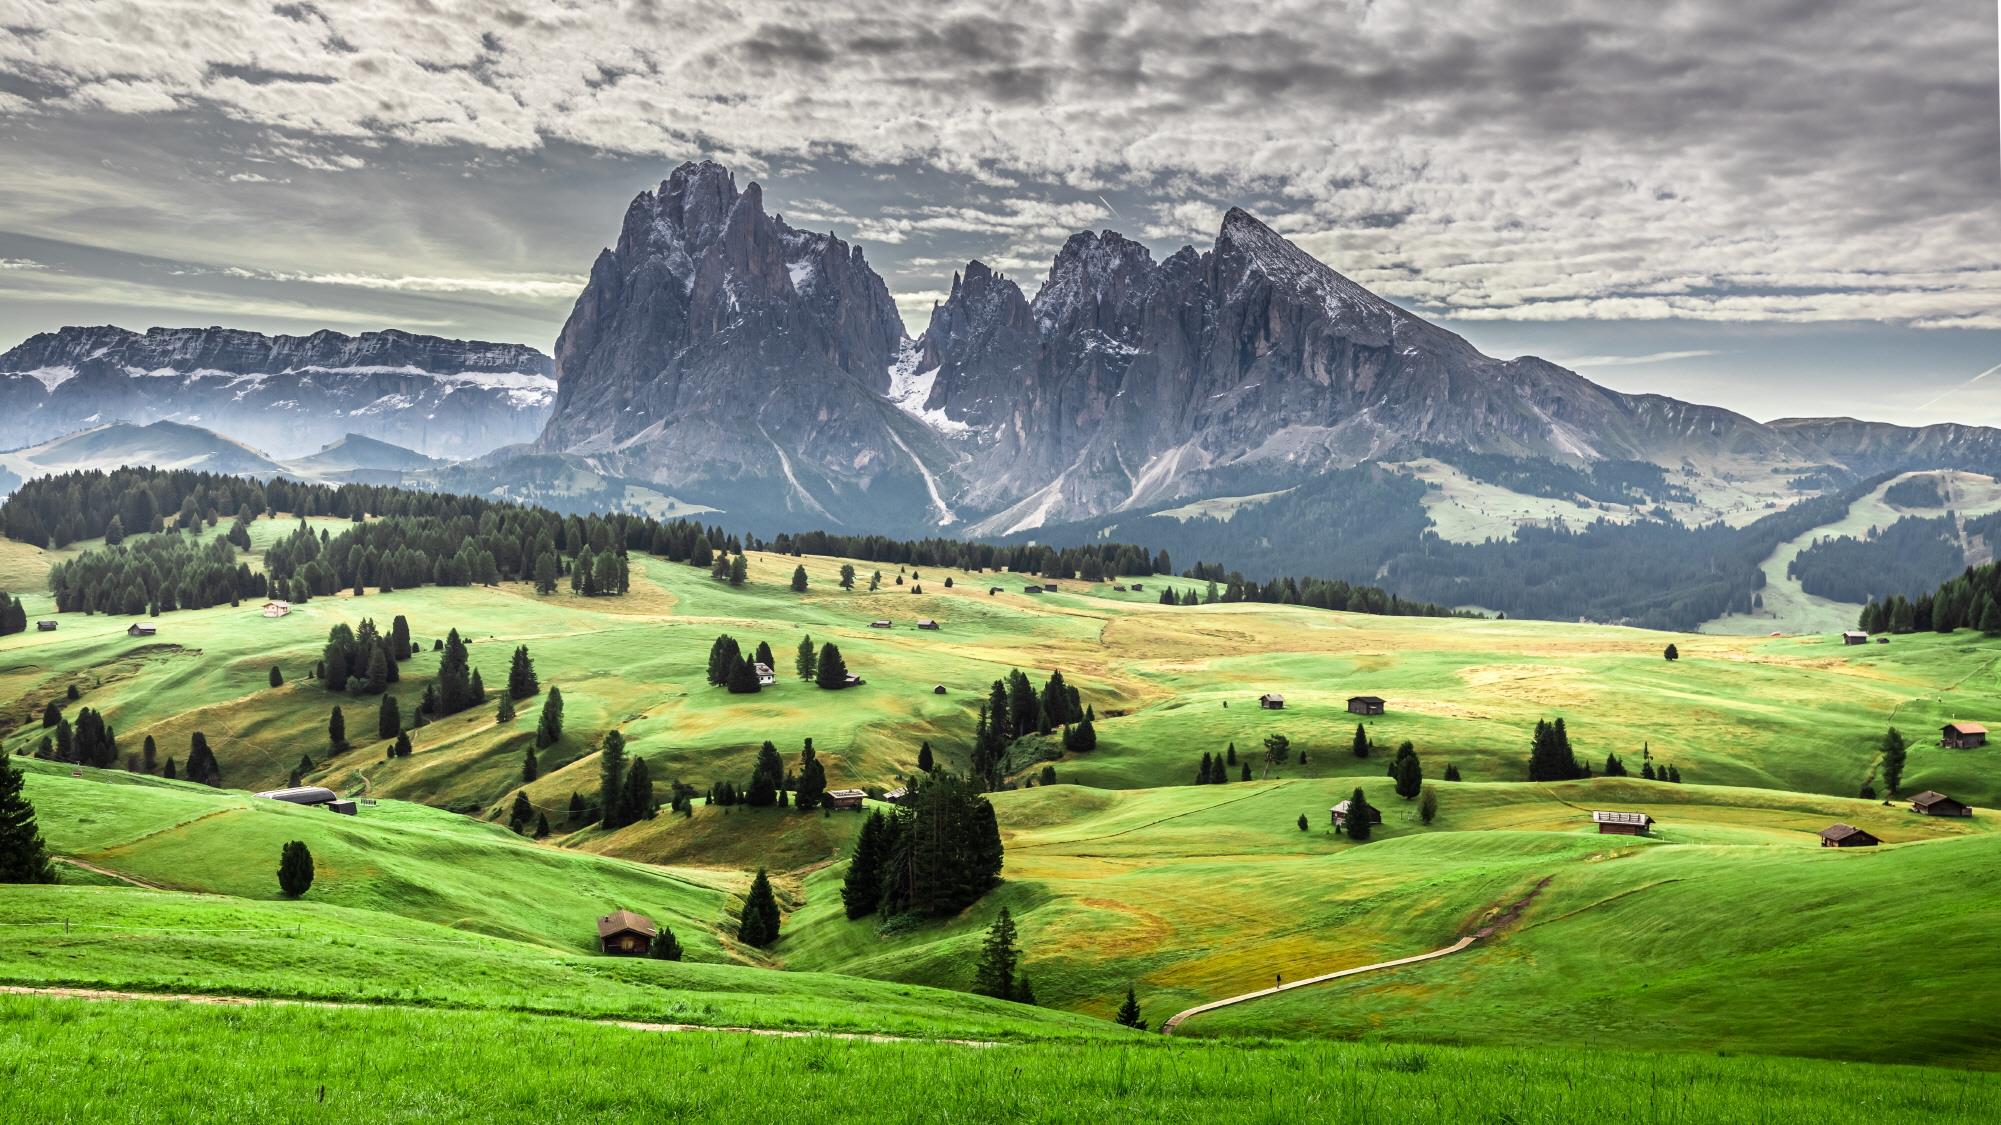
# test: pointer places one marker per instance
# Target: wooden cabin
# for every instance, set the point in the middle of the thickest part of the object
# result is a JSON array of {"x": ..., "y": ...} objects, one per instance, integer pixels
[
  {"x": 1272, "y": 701},
  {"x": 897, "y": 794},
  {"x": 926, "y": 623},
  {"x": 276, "y": 608},
  {"x": 1139, "y": 587},
  {"x": 1855, "y": 637},
  {"x": 765, "y": 676},
  {"x": 141, "y": 629},
  {"x": 937, "y": 689},
  {"x": 1622, "y": 823},
  {"x": 1846, "y": 836},
  {"x": 881, "y": 623},
  {"x": 1050, "y": 586},
  {"x": 1365, "y": 704},
  {"x": 1116, "y": 586},
  {"x": 1962, "y": 736},
  {"x": 1031, "y": 589},
  {"x": 1339, "y": 813},
  {"x": 853, "y": 681},
  {"x": 46, "y": 626},
  {"x": 1933, "y": 803},
  {"x": 622, "y": 933},
  {"x": 845, "y": 798}
]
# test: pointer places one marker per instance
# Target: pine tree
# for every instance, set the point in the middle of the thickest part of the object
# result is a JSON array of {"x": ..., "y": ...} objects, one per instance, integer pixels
[
  {"x": 1427, "y": 806},
  {"x": 521, "y": 681},
  {"x": 611, "y": 779},
  {"x": 1129, "y": 1012},
  {"x": 861, "y": 890},
  {"x": 994, "y": 974},
  {"x": 1671, "y": 653},
  {"x": 1086, "y": 736},
  {"x": 807, "y": 663},
  {"x": 664, "y": 947},
  {"x": 1451, "y": 772},
  {"x": 388, "y": 717},
  {"x": 530, "y": 767},
  {"x": 337, "y": 731},
  {"x": 1410, "y": 777},
  {"x": 149, "y": 753},
  {"x": 23, "y": 857},
  {"x": 739, "y": 571},
  {"x": 636, "y": 801},
  {"x": 812, "y": 784},
  {"x": 519, "y": 816},
  {"x": 759, "y": 926},
  {"x": 1202, "y": 772},
  {"x": 1359, "y": 815},
  {"x": 295, "y": 869},
  {"x": 799, "y": 579},
  {"x": 743, "y": 679},
  {"x": 1893, "y": 760},
  {"x": 831, "y": 672},
  {"x": 765, "y": 778},
  {"x": 541, "y": 826},
  {"x": 403, "y": 747},
  {"x": 1246, "y": 774},
  {"x": 478, "y": 691},
  {"x": 505, "y": 712},
  {"x": 847, "y": 576},
  {"x": 277, "y": 677},
  {"x": 1361, "y": 743},
  {"x": 1230, "y": 755},
  {"x": 925, "y": 760},
  {"x": 1303, "y": 826},
  {"x": 549, "y": 727},
  {"x": 1277, "y": 749}
]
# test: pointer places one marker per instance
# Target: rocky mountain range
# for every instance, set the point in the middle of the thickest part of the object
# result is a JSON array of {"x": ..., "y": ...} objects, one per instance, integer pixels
[
  {"x": 289, "y": 395},
  {"x": 740, "y": 363}
]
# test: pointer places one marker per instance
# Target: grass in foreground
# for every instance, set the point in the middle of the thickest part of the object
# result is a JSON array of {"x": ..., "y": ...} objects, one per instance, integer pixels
[{"x": 80, "y": 1060}]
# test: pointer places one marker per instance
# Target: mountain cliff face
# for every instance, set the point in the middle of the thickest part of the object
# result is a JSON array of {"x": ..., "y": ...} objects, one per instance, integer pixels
[
  {"x": 287, "y": 394},
  {"x": 717, "y": 350}
]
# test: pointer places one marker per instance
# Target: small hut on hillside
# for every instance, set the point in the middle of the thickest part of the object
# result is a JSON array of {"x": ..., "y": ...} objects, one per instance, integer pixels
[
  {"x": 1272, "y": 701},
  {"x": 1365, "y": 704},
  {"x": 1855, "y": 637},
  {"x": 1622, "y": 823},
  {"x": 926, "y": 623},
  {"x": 46, "y": 626},
  {"x": 765, "y": 676},
  {"x": 276, "y": 608},
  {"x": 1933, "y": 803},
  {"x": 1339, "y": 813},
  {"x": 622, "y": 933},
  {"x": 1962, "y": 736},
  {"x": 1846, "y": 836},
  {"x": 845, "y": 798},
  {"x": 141, "y": 629}
]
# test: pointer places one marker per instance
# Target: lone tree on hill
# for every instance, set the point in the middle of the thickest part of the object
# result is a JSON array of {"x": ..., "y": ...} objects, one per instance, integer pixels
[
  {"x": 1359, "y": 815},
  {"x": 1277, "y": 748},
  {"x": 925, "y": 760},
  {"x": 759, "y": 926},
  {"x": 521, "y": 681},
  {"x": 1361, "y": 743},
  {"x": 1550, "y": 756},
  {"x": 530, "y": 768},
  {"x": 832, "y": 672},
  {"x": 1303, "y": 826},
  {"x": 337, "y": 730},
  {"x": 994, "y": 975},
  {"x": 549, "y": 727},
  {"x": 277, "y": 677},
  {"x": 1893, "y": 760},
  {"x": 1427, "y": 806},
  {"x": 1671, "y": 653},
  {"x": 1409, "y": 776},
  {"x": 1129, "y": 1011},
  {"x": 295, "y": 869},
  {"x": 807, "y": 663},
  {"x": 799, "y": 579},
  {"x": 402, "y": 748},
  {"x": 23, "y": 858}
]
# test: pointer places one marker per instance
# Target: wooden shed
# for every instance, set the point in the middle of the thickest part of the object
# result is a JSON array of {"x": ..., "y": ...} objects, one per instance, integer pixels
[
  {"x": 897, "y": 794},
  {"x": 1855, "y": 637},
  {"x": 1962, "y": 736},
  {"x": 881, "y": 623},
  {"x": 937, "y": 689},
  {"x": 1050, "y": 586},
  {"x": 1622, "y": 823},
  {"x": 1339, "y": 813},
  {"x": 1031, "y": 589},
  {"x": 275, "y": 608},
  {"x": 1933, "y": 803},
  {"x": 1272, "y": 701},
  {"x": 1365, "y": 704},
  {"x": 845, "y": 798},
  {"x": 141, "y": 629},
  {"x": 1846, "y": 836},
  {"x": 622, "y": 933},
  {"x": 46, "y": 626},
  {"x": 926, "y": 623}
]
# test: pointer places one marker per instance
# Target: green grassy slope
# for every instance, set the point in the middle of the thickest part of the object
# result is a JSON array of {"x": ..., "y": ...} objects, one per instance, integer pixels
[{"x": 87, "y": 1060}]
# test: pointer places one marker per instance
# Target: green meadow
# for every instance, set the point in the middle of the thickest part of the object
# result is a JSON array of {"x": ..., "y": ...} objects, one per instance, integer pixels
[{"x": 1727, "y": 930}]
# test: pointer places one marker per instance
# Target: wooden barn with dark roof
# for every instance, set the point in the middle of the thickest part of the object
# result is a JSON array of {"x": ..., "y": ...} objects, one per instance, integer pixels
[
  {"x": 1846, "y": 836},
  {"x": 1962, "y": 736},
  {"x": 1622, "y": 823},
  {"x": 1933, "y": 803}
]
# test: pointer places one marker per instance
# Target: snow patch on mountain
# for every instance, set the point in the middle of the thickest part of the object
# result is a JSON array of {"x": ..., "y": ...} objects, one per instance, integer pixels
[{"x": 910, "y": 388}]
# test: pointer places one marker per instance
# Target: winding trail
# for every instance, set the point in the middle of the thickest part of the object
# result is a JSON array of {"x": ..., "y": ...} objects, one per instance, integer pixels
[{"x": 1495, "y": 924}]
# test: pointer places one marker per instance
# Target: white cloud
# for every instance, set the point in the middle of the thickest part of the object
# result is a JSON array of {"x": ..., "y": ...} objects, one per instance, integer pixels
[{"x": 1583, "y": 361}]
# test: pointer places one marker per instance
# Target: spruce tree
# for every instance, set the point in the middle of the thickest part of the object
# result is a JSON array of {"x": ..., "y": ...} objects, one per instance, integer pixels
[
  {"x": 664, "y": 947},
  {"x": 23, "y": 857},
  {"x": 1359, "y": 815},
  {"x": 530, "y": 767},
  {"x": 765, "y": 778},
  {"x": 861, "y": 890},
  {"x": 1893, "y": 760},
  {"x": 277, "y": 677},
  {"x": 1303, "y": 826},
  {"x": 759, "y": 926},
  {"x": 1427, "y": 806},
  {"x": 611, "y": 779},
  {"x": 521, "y": 681},
  {"x": 149, "y": 753},
  {"x": 812, "y": 784},
  {"x": 1451, "y": 772},
  {"x": 743, "y": 679},
  {"x": 521, "y": 813},
  {"x": 636, "y": 802},
  {"x": 994, "y": 974},
  {"x": 799, "y": 579},
  {"x": 1671, "y": 653},
  {"x": 925, "y": 761},
  {"x": 739, "y": 571},
  {"x": 337, "y": 731},
  {"x": 807, "y": 663},
  {"x": 295, "y": 869},
  {"x": 832, "y": 672},
  {"x": 1129, "y": 1012},
  {"x": 541, "y": 826},
  {"x": 549, "y": 727},
  {"x": 1410, "y": 777},
  {"x": 388, "y": 717},
  {"x": 504, "y": 713},
  {"x": 402, "y": 748},
  {"x": 1361, "y": 743}
]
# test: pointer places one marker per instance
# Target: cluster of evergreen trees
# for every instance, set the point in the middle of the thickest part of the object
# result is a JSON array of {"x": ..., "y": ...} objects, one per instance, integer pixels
[
  {"x": 1550, "y": 756},
  {"x": 998, "y": 972},
  {"x": 936, "y": 854},
  {"x": 1014, "y": 710},
  {"x": 23, "y": 856},
  {"x": 1407, "y": 772},
  {"x": 362, "y": 660},
  {"x": 1616, "y": 767},
  {"x": 1910, "y": 554},
  {"x": 13, "y": 615},
  {"x": 1215, "y": 768},
  {"x": 1230, "y": 586},
  {"x": 1969, "y": 600},
  {"x": 625, "y": 792},
  {"x": 1092, "y": 562},
  {"x": 153, "y": 575}
]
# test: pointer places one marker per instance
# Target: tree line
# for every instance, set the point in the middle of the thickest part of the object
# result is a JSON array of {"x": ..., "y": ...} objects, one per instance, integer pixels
[{"x": 1969, "y": 600}]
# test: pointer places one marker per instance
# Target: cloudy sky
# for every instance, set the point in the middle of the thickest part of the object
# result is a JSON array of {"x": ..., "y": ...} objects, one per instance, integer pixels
[{"x": 1783, "y": 206}]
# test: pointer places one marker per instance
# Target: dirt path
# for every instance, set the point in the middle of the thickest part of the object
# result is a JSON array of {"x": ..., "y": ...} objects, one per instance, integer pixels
[
  {"x": 108, "y": 873},
  {"x": 115, "y": 995},
  {"x": 1496, "y": 922}
]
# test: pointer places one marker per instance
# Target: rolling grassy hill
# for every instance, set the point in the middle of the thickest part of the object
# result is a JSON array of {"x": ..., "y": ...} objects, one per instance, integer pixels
[{"x": 1731, "y": 929}]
